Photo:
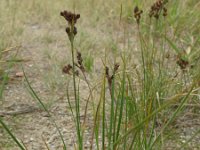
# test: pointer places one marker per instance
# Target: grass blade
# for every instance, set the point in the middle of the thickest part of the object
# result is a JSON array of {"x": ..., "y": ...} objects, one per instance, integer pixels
[
  {"x": 190, "y": 139},
  {"x": 12, "y": 136},
  {"x": 44, "y": 107},
  {"x": 172, "y": 45}
]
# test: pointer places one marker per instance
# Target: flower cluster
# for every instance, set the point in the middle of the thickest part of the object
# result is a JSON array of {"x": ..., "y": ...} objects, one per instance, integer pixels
[
  {"x": 137, "y": 14},
  {"x": 182, "y": 63},
  {"x": 157, "y": 8},
  {"x": 67, "y": 69},
  {"x": 79, "y": 64},
  {"x": 111, "y": 77},
  {"x": 71, "y": 18}
]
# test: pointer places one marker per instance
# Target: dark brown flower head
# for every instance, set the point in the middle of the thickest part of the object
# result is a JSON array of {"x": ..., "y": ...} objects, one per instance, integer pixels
[
  {"x": 75, "y": 30},
  {"x": 164, "y": 11},
  {"x": 157, "y": 8},
  {"x": 70, "y": 17},
  {"x": 137, "y": 14},
  {"x": 68, "y": 31},
  {"x": 79, "y": 58},
  {"x": 107, "y": 71},
  {"x": 156, "y": 16},
  {"x": 80, "y": 62},
  {"x": 182, "y": 63},
  {"x": 110, "y": 78},
  {"x": 67, "y": 69},
  {"x": 116, "y": 67},
  {"x": 136, "y": 9}
]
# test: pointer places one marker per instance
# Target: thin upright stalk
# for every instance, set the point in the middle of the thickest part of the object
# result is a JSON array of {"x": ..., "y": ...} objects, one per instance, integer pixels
[
  {"x": 77, "y": 102},
  {"x": 143, "y": 62}
]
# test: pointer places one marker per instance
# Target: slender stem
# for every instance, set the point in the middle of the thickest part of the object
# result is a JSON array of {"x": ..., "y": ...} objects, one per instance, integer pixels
[
  {"x": 143, "y": 63},
  {"x": 122, "y": 98},
  {"x": 75, "y": 93},
  {"x": 112, "y": 111},
  {"x": 104, "y": 115},
  {"x": 12, "y": 136}
]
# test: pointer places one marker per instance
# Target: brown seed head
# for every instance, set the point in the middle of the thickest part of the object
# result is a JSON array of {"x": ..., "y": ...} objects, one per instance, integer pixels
[
  {"x": 107, "y": 71},
  {"x": 67, "y": 69},
  {"x": 137, "y": 14},
  {"x": 68, "y": 30},
  {"x": 79, "y": 58},
  {"x": 70, "y": 17},
  {"x": 80, "y": 62},
  {"x": 157, "y": 8},
  {"x": 136, "y": 9},
  {"x": 116, "y": 67},
  {"x": 182, "y": 63}
]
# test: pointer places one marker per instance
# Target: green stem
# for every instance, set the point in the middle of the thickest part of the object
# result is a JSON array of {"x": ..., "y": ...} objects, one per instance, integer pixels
[
  {"x": 104, "y": 115},
  {"x": 75, "y": 93},
  {"x": 12, "y": 136},
  {"x": 143, "y": 63}
]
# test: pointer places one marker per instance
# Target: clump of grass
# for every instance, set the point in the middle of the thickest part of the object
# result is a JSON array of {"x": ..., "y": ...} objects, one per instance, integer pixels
[{"x": 133, "y": 117}]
